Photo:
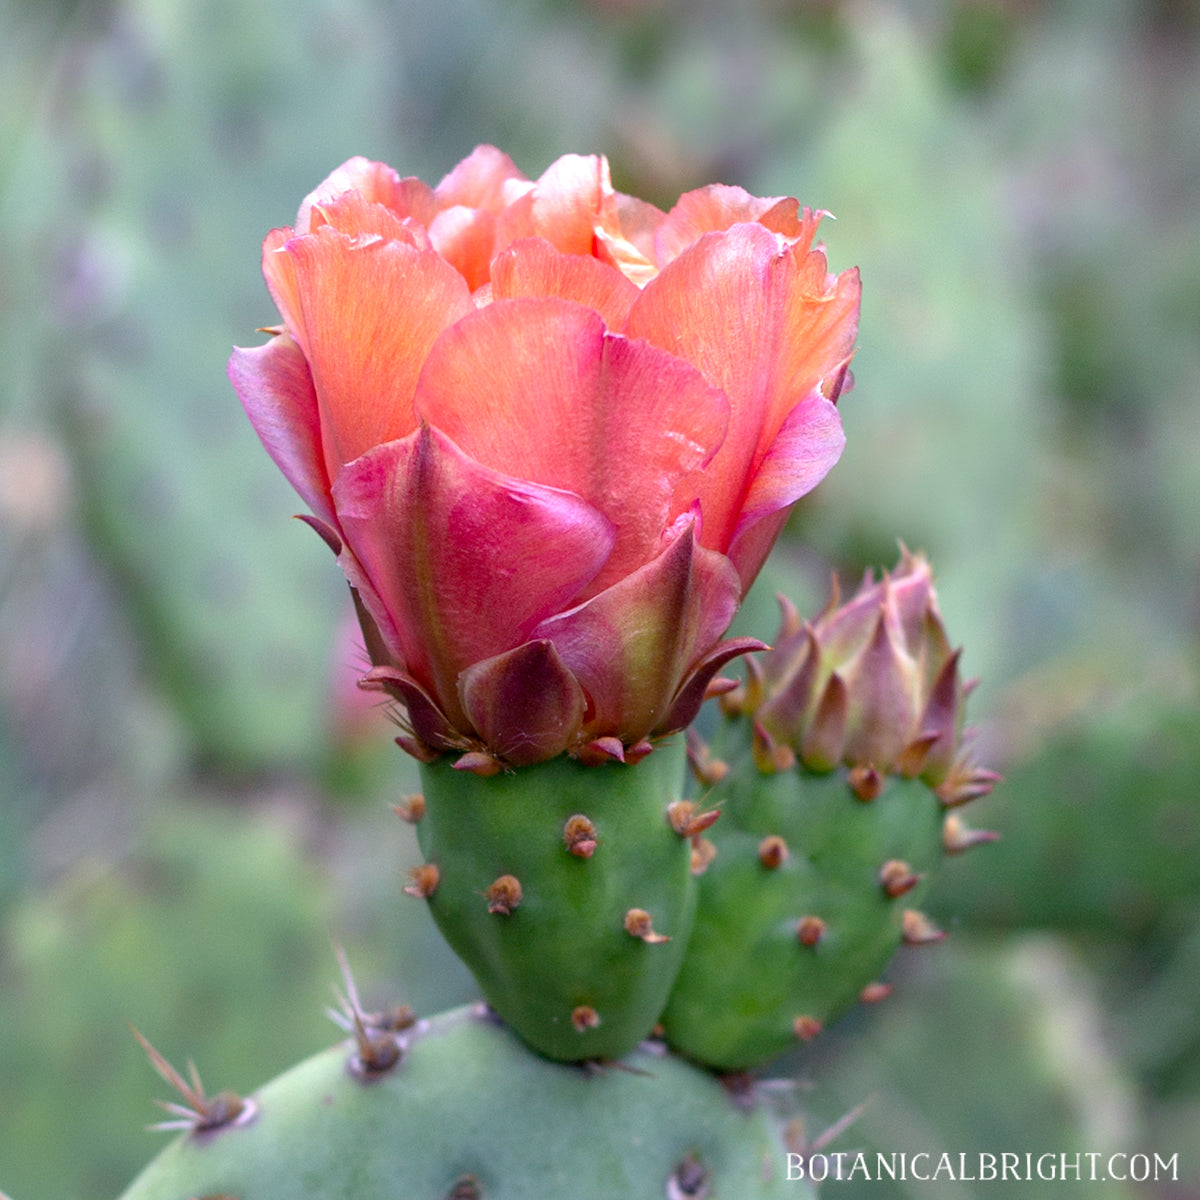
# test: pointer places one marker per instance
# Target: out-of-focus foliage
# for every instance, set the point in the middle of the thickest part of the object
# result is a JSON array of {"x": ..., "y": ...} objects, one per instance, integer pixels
[{"x": 1019, "y": 182}]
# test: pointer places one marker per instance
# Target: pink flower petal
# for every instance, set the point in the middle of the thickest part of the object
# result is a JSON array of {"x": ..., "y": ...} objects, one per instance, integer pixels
[
  {"x": 533, "y": 267},
  {"x": 536, "y": 389},
  {"x": 465, "y": 560},
  {"x": 371, "y": 309},
  {"x": 484, "y": 179},
  {"x": 738, "y": 305},
  {"x": 376, "y": 183},
  {"x": 718, "y": 207},
  {"x": 804, "y": 451},
  {"x": 631, "y": 645},
  {"x": 276, "y": 390}
]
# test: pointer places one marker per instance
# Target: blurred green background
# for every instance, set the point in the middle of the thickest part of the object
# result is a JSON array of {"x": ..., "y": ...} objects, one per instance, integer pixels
[{"x": 191, "y": 808}]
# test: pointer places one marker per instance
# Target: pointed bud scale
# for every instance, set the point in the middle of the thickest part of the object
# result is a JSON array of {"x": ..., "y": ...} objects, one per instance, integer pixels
[
  {"x": 823, "y": 743},
  {"x": 880, "y": 684},
  {"x": 687, "y": 821},
  {"x": 769, "y": 755},
  {"x": 705, "y": 769},
  {"x": 479, "y": 762},
  {"x": 957, "y": 837},
  {"x": 865, "y": 782},
  {"x": 639, "y": 924}
]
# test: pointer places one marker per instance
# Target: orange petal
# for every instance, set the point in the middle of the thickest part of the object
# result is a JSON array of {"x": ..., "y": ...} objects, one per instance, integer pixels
[
  {"x": 371, "y": 309},
  {"x": 564, "y": 207},
  {"x": 535, "y": 388},
  {"x": 376, "y": 183},
  {"x": 716, "y": 208},
  {"x": 533, "y": 267},
  {"x": 804, "y": 451},
  {"x": 485, "y": 179},
  {"x": 733, "y": 304}
]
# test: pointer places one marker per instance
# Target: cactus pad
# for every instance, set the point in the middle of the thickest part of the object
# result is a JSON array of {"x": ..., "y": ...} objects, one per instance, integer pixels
[
  {"x": 833, "y": 769},
  {"x": 567, "y": 890},
  {"x": 464, "y": 1110},
  {"x": 802, "y": 907}
]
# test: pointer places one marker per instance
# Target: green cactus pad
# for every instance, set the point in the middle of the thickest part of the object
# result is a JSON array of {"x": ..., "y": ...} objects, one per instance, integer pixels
[
  {"x": 560, "y": 957},
  {"x": 780, "y": 950},
  {"x": 467, "y": 1111}
]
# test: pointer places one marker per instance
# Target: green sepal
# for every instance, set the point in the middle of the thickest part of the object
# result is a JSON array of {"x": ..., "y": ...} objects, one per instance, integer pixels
[{"x": 564, "y": 949}]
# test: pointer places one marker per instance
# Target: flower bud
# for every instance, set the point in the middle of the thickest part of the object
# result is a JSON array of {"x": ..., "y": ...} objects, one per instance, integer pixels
[{"x": 872, "y": 682}]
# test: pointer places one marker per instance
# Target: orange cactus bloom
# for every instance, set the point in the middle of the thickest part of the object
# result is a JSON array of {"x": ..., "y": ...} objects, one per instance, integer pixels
[{"x": 550, "y": 431}]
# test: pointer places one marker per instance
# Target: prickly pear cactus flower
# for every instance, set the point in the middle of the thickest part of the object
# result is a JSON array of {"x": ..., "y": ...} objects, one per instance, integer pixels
[{"x": 551, "y": 433}]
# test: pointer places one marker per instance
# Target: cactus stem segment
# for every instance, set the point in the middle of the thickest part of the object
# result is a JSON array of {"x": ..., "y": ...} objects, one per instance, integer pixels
[
  {"x": 772, "y": 852},
  {"x": 689, "y": 1180},
  {"x": 638, "y": 924},
  {"x": 703, "y": 852},
  {"x": 199, "y": 1113},
  {"x": 810, "y": 930},
  {"x": 896, "y": 878},
  {"x": 686, "y": 821},
  {"x": 919, "y": 930},
  {"x": 423, "y": 881},
  {"x": 579, "y": 836},
  {"x": 865, "y": 782},
  {"x": 806, "y": 1028},
  {"x": 503, "y": 895},
  {"x": 876, "y": 992},
  {"x": 410, "y": 808},
  {"x": 584, "y": 1017}
]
